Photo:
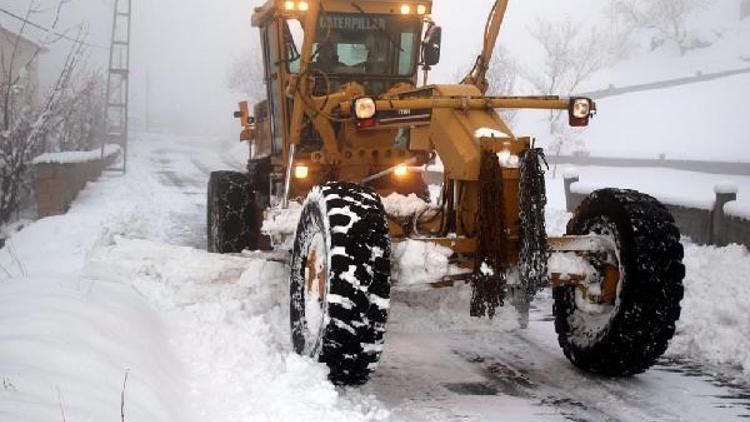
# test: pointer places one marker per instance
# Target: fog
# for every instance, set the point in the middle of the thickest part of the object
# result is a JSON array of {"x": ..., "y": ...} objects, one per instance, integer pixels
[{"x": 183, "y": 50}]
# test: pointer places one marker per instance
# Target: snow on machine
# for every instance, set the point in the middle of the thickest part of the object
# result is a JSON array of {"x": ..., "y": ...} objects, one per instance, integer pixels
[{"x": 347, "y": 122}]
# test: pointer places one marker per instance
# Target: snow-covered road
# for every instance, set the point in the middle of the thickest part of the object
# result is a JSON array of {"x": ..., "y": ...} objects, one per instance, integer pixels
[{"x": 121, "y": 284}]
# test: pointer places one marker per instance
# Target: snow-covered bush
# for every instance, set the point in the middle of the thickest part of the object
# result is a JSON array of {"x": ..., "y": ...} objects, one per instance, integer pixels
[
  {"x": 27, "y": 126},
  {"x": 79, "y": 118}
]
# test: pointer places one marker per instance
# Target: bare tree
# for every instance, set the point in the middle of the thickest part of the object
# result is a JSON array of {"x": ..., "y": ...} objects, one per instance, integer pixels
[
  {"x": 26, "y": 126},
  {"x": 572, "y": 54},
  {"x": 246, "y": 76},
  {"x": 503, "y": 76},
  {"x": 79, "y": 118},
  {"x": 665, "y": 21}
]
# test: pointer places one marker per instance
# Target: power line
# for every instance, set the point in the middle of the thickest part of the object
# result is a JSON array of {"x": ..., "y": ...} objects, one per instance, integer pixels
[{"x": 50, "y": 31}]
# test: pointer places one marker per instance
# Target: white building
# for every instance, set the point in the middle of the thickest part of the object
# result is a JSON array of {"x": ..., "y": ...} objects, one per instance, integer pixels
[{"x": 23, "y": 63}]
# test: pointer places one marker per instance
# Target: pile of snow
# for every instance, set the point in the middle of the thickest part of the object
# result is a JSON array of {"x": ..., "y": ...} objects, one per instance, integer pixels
[
  {"x": 508, "y": 159},
  {"x": 570, "y": 172},
  {"x": 77, "y": 157},
  {"x": 228, "y": 321},
  {"x": 485, "y": 132},
  {"x": 417, "y": 263},
  {"x": 66, "y": 345},
  {"x": 401, "y": 206},
  {"x": 737, "y": 209},
  {"x": 725, "y": 188},
  {"x": 280, "y": 224},
  {"x": 569, "y": 263},
  {"x": 714, "y": 326}
]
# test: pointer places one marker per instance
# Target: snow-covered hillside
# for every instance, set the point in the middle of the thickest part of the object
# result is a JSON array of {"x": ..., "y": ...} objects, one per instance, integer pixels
[
  {"x": 700, "y": 121},
  {"x": 121, "y": 286}
]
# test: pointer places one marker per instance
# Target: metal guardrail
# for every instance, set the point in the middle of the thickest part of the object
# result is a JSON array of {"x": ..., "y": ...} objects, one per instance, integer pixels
[{"x": 703, "y": 226}]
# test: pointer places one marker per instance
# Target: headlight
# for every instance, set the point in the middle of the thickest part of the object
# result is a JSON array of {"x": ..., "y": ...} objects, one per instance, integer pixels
[
  {"x": 301, "y": 172},
  {"x": 581, "y": 108},
  {"x": 401, "y": 170},
  {"x": 364, "y": 108}
]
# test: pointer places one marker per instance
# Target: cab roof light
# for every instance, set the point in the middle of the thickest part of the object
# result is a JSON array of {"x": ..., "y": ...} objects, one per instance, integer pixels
[
  {"x": 302, "y": 6},
  {"x": 405, "y": 9}
]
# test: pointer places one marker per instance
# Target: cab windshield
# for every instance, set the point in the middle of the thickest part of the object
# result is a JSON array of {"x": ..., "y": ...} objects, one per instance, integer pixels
[{"x": 358, "y": 44}]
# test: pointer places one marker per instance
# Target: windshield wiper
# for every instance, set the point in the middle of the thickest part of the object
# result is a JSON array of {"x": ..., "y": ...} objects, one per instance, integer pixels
[{"x": 380, "y": 29}]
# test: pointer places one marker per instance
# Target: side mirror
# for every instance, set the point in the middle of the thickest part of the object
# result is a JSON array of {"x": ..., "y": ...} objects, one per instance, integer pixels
[
  {"x": 431, "y": 46},
  {"x": 246, "y": 120}
]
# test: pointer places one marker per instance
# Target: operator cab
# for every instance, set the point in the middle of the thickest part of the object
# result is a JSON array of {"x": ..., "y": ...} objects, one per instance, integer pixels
[
  {"x": 376, "y": 51},
  {"x": 375, "y": 43}
]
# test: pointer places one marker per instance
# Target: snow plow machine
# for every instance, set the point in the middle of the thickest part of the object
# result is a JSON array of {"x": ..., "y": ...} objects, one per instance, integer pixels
[{"x": 349, "y": 119}]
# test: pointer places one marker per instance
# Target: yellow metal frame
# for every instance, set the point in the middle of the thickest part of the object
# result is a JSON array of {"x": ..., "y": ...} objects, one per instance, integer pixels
[{"x": 350, "y": 153}]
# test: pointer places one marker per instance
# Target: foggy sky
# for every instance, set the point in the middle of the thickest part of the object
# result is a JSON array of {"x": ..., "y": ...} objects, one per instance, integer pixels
[{"x": 186, "y": 47}]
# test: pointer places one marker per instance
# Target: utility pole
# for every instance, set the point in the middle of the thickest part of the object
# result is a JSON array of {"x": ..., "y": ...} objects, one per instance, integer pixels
[{"x": 118, "y": 78}]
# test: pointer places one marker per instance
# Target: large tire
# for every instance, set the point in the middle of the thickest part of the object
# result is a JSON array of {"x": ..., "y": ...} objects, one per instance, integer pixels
[
  {"x": 232, "y": 218},
  {"x": 340, "y": 281},
  {"x": 628, "y": 337}
]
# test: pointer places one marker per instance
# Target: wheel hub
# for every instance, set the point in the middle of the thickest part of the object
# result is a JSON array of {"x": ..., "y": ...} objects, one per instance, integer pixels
[{"x": 316, "y": 283}]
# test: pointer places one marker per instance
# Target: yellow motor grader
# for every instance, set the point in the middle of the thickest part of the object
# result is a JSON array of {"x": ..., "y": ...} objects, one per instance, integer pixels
[{"x": 350, "y": 118}]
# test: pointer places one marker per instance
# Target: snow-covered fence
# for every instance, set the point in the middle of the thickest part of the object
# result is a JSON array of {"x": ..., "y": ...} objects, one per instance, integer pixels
[
  {"x": 719, "y": 223},
  {"x": 59, "y": 177}
]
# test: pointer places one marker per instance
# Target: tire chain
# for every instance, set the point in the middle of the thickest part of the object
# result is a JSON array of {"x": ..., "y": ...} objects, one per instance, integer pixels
[
  {"x": 231, "y": 213},
  {"x": 532, "y": 201}
]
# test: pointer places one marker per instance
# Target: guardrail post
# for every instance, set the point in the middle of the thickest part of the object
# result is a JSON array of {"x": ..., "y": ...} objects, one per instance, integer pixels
[
  {"x": 570, "y": 176},
  {"x": 725, "y": 192}
]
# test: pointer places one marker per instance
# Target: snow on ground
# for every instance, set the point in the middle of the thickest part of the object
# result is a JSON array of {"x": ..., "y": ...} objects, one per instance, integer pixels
[
  {"x": 98, "y": 292},
  {"x": 714, "y": 326}
]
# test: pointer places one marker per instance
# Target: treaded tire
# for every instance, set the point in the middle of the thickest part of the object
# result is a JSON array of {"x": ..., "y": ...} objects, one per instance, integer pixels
[
  {"x": 348, "y": 334},
  {"x": 641, "y": 323},
  {"x": 232, "y": 218}
]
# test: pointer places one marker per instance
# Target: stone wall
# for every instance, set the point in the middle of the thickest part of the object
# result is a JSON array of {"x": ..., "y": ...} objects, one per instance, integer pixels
[
  {"x": 56, "y": 184},
  {"x": 702, "y": 226}
]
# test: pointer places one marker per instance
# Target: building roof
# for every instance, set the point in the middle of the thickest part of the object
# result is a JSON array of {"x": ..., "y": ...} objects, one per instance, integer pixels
[{"x": 9, "y": 35}]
